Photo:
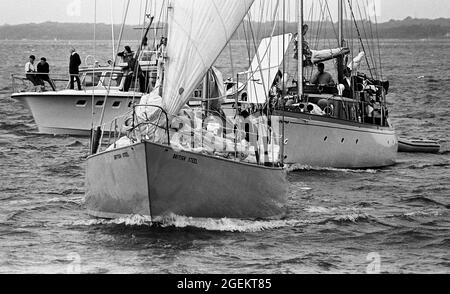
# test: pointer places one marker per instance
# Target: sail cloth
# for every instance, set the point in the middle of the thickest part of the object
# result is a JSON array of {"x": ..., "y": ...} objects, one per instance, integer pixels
[
  {"x": 198, "y": 32},
  {"x": 325, "y": 55},
  {"x": 356, "y": 62},
  {"x": 265, "y": 66}
]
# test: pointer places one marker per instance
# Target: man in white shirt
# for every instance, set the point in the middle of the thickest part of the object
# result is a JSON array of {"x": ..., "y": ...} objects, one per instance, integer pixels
[{"x": 30, "y": 71}]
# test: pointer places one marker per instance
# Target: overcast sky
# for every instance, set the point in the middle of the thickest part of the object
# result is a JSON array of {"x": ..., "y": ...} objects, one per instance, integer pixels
[{"x": 26, "y": 11}]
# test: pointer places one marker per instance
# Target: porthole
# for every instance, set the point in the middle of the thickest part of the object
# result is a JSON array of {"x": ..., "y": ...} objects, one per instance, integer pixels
[
  {"x": 81, "y": 103},
  {"x": 99, "y": 103},
  {"x": 116, "y": 104}
]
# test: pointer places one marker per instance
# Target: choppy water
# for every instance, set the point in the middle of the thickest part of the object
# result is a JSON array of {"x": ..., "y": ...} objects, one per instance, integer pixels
[{"x": 339, "y": 221}]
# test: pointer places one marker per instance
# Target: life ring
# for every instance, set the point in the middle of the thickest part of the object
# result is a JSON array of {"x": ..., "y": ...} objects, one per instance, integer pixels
[{"x": 329, "y": 110}]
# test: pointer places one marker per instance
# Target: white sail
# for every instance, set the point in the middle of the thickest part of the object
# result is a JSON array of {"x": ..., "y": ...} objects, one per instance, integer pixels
[
  {"x": 265, "y": 66},
  {"x": 328, "y": 54},
  {"x": 198, "y": 32},
  {"x": 354, "y": 65}
]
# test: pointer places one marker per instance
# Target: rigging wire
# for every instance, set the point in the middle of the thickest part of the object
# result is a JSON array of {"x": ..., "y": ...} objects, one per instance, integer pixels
[
  {"x": 378, "y": 41},
  {"x": 115, "y": 61},
  {"x": 360, "y": 37}
]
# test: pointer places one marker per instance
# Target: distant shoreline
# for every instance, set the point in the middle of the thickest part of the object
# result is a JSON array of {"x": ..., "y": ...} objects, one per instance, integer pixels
[{"x": 408, "y": 28}]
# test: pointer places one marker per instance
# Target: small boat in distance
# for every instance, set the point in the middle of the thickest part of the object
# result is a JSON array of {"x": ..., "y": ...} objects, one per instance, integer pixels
[{"x": 418, "y": 146}]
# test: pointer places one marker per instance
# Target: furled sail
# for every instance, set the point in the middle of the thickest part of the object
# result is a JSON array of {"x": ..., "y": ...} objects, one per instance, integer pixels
[
  {"x": 324, "y": 55},
  {"x": 265, "y": 66},
  {"x": 198, "y": 32}
]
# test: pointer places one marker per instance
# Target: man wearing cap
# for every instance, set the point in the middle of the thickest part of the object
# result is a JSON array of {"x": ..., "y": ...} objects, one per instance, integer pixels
[
  {"x": 74, "y": 71},
  {"x": 43, "y": 68}
]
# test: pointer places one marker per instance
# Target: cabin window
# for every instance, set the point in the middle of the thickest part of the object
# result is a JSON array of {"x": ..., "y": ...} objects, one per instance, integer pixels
[
  {"x": 81, "y": 103},
  {"x": 99, "y": 103},
  {"x": 92, "y": 79},
  {"x": 115, "y": 80},
  {"x": 116, "y": 104}
]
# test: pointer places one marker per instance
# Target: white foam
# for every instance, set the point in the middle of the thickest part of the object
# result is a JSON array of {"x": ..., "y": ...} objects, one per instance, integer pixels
[
  {"x": 300, "y": 167},
  {"x": 209, "y": 224}
]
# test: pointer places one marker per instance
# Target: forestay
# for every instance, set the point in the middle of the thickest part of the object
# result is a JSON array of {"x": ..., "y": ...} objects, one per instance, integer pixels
[
  {"x": 265, "y": 66},
  {"x": 198, "y": 32}
]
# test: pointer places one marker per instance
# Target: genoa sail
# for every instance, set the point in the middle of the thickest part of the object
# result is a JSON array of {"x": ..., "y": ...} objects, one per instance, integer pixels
[{"x": 198, "y": 32}]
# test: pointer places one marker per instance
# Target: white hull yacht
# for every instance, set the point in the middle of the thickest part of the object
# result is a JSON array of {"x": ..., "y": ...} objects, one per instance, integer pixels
[{"x": 72, "y": 112}]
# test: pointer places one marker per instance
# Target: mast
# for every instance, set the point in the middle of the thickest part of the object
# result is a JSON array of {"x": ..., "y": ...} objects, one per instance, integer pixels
[
  {"x": 300, "y": 21},
  {"x": 340, "y": 60}
]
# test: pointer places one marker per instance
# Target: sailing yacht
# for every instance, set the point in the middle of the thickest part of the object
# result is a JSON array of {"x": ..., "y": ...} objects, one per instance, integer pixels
[
  {"x": 328, "y": 125},
  {"x": 151, "y": 171}
]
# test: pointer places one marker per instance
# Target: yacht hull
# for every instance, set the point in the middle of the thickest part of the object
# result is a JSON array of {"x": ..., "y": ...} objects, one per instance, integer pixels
[
  {"x": 154, "y": 180},
  {"x": 317, "y": 141},
  {"x": 70, "y": 112}
]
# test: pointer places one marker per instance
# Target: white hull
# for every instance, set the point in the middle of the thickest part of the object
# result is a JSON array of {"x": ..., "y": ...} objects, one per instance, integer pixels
[
  {"x": 64, "y": 113},
  {"x": 326, "y": 142},
  {"x": 154, "y": 180}
]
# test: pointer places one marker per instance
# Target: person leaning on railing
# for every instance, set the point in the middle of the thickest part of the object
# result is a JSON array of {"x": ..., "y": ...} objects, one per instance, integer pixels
[
  {"x": 30, "y": 72},
  {"x": 43, "y": 68}
]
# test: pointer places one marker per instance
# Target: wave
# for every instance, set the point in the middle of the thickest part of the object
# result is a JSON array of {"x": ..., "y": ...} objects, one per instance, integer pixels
[
  {"x": 349, "y": 218},
  {"x": 425, "y": 200},
  {"x": 182, "y": 222},
  {"x": 300, "y": 167},
  {"x": 75, "y": 144},
  {"x": 430, "y": 165},
  {"x": 41, "y": 205},
  {"x": 14, "y": 126}
]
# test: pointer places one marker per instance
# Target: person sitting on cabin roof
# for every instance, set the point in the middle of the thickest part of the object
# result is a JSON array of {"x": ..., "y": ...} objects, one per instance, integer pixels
[{"x": 322, "y": 77}]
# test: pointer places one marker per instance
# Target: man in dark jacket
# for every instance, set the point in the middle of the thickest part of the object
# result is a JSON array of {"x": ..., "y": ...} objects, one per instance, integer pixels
[
  {"x": 134, "y": 71},
  {"x": 74, "y": 70},
  {"x": 43, "y": 68}
]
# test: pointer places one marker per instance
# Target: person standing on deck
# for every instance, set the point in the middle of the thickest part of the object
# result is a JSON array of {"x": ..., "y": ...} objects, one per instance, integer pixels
[
  {"x": 322, "y": 77},
  {"x": 43, "y": 68},
  {"x": 74, "y": 69}
]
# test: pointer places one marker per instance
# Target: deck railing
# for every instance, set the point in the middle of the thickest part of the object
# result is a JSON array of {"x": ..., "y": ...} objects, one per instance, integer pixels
[
  {"x": 21, "y": 83},
  {"x": 258, "y": 149}
]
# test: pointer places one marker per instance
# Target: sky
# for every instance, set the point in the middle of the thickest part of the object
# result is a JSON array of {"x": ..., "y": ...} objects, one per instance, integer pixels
[{"x": 77, "y": 11}]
